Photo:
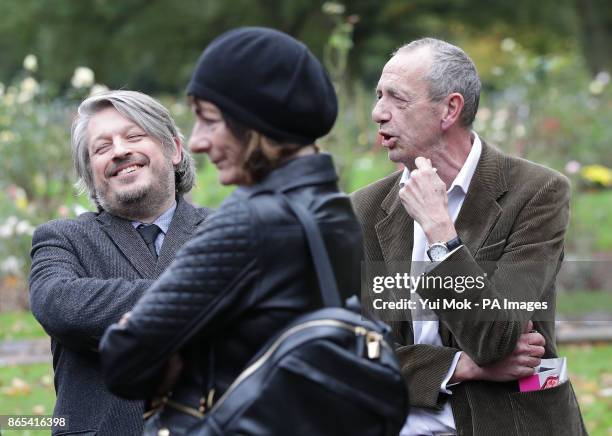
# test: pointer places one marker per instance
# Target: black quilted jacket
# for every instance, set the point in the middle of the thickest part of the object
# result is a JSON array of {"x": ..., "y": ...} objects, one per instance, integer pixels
[{"x": 244, "y": 276}]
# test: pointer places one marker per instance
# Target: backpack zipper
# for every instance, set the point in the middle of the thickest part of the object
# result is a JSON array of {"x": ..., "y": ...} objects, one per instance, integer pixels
[{"x": 373, "y": 341}]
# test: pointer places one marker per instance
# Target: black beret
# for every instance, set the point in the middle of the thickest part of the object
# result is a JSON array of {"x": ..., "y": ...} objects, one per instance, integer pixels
[{"x": 267, "y": 81}]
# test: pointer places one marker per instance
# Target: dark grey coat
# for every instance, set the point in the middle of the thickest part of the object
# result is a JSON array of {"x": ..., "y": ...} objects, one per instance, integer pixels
[{"x": 86, "y": 273}]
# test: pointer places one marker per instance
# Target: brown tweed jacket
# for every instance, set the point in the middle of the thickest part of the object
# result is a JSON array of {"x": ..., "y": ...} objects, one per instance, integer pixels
[{"x": 514, "y": 211}]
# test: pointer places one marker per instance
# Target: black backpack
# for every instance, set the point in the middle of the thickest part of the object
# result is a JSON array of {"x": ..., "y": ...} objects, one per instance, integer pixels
[{"x": 330, "y": 372}]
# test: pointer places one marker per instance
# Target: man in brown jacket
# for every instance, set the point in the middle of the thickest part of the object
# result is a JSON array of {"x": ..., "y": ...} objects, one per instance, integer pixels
[{"x": 463, "y": 210}]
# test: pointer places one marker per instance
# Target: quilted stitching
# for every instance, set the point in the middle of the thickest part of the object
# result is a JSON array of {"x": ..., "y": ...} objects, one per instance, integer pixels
[{"x": 203, "y": 269}]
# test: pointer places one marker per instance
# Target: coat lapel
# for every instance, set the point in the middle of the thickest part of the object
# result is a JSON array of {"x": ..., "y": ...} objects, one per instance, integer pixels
[
  {"x": 480, "y": 210},
  {"x": 129, "y": 242},
  {"x": 395, "y": 230},
  {"x": 184, "y": 223},
  {"x": 395, "y": 234}
]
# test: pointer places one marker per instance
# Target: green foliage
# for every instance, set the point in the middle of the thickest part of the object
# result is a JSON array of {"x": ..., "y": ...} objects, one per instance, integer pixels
[
  {"x": 152, "y": 45},
  {"x": 35, "y": 166},
  {"x": 544, "y": 108},
  {"x": 591, "y": 222}
]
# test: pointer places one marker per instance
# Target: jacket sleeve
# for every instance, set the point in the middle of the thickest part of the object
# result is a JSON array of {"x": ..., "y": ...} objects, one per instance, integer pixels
[
  {"x": 424, "y": 367},
  {"x": 526, "y": 271},
  {"x": 197, "y": 293},
  {"x": 73, "y": 308}
]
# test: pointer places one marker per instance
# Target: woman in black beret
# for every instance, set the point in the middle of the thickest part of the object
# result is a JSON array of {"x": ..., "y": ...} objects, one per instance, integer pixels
[{"x": 261, "y": 100}]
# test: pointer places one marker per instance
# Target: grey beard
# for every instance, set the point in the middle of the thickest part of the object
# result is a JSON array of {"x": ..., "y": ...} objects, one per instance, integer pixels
[{"x": 138, "y": 204}]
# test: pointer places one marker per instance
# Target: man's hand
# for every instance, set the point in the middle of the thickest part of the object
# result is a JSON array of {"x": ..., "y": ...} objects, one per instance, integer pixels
[
  {"x": 521, "y": 363},
  {"x": 124, "y": 319},
  {"x": 424, "y": 198}
]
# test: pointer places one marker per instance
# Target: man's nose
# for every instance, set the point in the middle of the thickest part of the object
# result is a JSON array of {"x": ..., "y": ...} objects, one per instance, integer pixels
[
  {"x": 120, "y": 147},
  {"x": 379, "y": 113}
]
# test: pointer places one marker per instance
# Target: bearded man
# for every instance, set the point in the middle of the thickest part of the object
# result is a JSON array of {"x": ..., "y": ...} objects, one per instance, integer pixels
[{"x": 87, "y": 272}]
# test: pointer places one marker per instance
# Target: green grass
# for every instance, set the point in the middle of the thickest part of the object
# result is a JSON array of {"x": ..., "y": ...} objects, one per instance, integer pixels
[
  {"x": 27, "y": 390},
  {"x": 19, "y": 325},
  {"x": 589, "y": 368},
  {"x": 591, "y": 374}
]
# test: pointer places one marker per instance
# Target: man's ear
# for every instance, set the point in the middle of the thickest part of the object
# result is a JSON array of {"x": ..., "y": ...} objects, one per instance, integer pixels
[
  {"x": 177, "y": 156},
  {"x": 453, "y": 105}
]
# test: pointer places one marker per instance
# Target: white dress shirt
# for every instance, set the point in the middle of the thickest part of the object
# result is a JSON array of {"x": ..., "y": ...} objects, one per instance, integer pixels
[{"x": 423, "y": 421}]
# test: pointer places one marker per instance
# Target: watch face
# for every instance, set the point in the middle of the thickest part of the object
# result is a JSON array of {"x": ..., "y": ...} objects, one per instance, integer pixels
[{"x": 437, "y": 251}]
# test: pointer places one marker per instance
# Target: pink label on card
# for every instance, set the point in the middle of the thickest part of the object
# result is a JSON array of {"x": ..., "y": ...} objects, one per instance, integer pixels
[{"x": 531, "y": 383}]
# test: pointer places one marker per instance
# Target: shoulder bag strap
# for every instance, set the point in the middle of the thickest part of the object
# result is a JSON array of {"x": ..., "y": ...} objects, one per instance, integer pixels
[{"x": 325, "y": 273}]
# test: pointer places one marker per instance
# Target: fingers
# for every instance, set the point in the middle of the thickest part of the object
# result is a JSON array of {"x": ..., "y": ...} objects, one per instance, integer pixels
[
  {"x": 536, "y": 351},
  {"x": 174, "y": 368},
  {"x": 535, "y": 339},
  {"x": 530, "y": 344},
  {"x": 421, "y": 163},
  {"x": 524, "y": 371},
  {"x": 125, "y": 318},
  {"x": 528, "y": 327},
  {"x": 529, "y": 361}
]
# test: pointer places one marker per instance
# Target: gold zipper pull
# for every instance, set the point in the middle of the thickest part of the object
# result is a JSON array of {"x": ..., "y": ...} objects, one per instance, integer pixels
[{"x": 373, "y": 344}]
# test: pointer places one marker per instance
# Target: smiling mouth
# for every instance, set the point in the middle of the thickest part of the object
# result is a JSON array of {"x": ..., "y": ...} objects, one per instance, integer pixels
[{"x": 127, "y": 170}]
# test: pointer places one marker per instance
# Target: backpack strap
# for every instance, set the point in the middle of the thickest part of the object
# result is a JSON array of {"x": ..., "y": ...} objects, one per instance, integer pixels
[{"x": 318, "y": 252}]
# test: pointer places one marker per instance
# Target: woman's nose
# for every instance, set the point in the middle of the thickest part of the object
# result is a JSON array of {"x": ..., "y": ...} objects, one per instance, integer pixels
[{"x": 199, "y": 141}]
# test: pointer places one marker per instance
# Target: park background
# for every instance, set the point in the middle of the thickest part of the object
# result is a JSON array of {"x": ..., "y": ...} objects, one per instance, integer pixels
[{"x": 545, "y": 68}]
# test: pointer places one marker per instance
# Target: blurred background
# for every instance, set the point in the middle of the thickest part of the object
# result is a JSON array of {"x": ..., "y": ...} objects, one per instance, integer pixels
[{"x": 545, "y": 68}]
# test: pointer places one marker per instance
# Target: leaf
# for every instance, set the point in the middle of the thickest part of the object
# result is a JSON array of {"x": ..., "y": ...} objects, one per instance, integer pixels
[
  {"x": 46, "y": 380},
  {"x": 17, "y": 387}
]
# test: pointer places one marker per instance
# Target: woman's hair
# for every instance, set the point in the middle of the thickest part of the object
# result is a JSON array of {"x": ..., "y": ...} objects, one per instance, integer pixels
[{"x": 263, "y": 154}]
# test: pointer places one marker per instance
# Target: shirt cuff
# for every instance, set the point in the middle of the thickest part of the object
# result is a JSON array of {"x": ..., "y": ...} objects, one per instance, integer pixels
[
  {"x": 451, "y": 371},
  {"x": 451, "y": 252}
]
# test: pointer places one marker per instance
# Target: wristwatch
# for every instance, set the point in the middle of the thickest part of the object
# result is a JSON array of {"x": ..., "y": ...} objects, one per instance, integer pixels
[{"x": 439, "y": 250}]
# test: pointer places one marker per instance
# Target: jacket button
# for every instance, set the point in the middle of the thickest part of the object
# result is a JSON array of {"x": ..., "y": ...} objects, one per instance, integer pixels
[{"x": 163, "y": 432}]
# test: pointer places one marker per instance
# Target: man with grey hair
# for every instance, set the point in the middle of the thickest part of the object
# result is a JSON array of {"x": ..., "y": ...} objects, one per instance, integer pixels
[
  {"x": 461, "y": 209},
  {"x": 87, "y": 272}
]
